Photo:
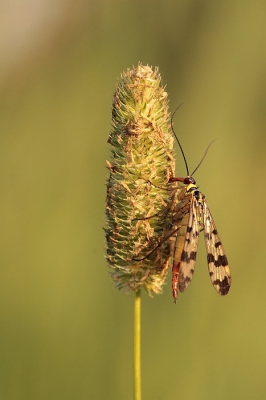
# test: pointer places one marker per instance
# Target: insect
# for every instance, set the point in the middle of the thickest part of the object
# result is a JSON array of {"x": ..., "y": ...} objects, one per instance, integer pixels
[{"x": 191, "y": 216}]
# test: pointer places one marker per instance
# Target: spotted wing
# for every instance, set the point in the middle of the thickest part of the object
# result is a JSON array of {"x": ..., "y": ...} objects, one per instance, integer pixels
[
  {"x": 189, "y": 253},
  {"x": 217, "y": 261}
]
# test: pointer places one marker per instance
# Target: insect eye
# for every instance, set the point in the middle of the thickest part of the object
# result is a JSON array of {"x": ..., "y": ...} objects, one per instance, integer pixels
[{"x": 189, "y": 180}]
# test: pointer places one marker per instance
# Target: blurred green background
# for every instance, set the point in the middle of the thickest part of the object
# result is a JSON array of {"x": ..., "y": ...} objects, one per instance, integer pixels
[{"x": 65, "y": 332}]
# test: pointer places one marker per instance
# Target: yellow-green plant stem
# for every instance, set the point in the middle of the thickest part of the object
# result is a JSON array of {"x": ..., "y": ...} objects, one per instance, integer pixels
[{"x": 137, "y": 347}]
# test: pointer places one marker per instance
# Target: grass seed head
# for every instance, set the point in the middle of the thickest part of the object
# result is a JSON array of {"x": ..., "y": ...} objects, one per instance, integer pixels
[{"x": 139, "y": 197}]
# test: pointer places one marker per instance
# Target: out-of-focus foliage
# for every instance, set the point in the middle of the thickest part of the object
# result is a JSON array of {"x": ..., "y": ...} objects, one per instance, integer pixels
[{"x": 65, "y": 332}]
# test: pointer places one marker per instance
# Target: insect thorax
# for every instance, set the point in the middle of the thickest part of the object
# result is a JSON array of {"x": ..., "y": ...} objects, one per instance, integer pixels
[{"x": 192, "y": 189}]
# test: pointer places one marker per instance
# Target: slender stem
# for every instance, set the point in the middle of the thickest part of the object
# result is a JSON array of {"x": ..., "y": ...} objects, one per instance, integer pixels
[{"x": 137, "y": 323}]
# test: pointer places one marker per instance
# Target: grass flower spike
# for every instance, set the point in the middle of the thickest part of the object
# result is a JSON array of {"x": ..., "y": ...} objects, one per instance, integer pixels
[{"x": 139, "y": 196}]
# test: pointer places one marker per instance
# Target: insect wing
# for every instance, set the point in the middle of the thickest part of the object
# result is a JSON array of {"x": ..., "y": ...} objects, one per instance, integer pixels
[
  {"x": 217, "y": 261},
  {"x": 189, "y": 252}
]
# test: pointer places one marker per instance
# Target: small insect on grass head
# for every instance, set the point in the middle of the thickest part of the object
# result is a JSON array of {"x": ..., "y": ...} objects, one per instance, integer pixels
[{"x": 192, "y": 215}]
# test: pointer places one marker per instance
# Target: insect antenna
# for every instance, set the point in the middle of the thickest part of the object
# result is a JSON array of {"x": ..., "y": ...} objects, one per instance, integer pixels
[
  {"x": 179, "y": 144},
  {"x": 204, "y": 155}
]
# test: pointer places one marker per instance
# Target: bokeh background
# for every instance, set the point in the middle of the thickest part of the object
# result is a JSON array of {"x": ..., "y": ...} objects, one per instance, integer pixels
[{"x": 65, "y": 332}]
